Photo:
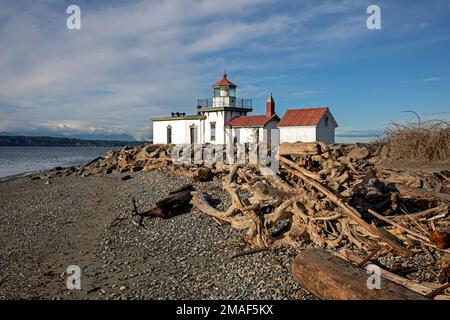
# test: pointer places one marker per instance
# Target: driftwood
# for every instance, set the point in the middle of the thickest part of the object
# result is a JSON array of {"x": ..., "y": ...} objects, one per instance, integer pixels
[
  {"x": 420, "y": 193},
  {"x": 175, "y": 203},
  {"x": 299, "y": 148},
  {"x": 424, "y": 288},
  {"x": 321, "y": 193},
  {"x": 351, "y": 212},
  {"x": 332, "y": 278}
]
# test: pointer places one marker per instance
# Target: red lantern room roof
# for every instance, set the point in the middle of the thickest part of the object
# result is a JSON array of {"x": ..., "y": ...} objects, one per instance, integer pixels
[{"x": 224, "y": 82}]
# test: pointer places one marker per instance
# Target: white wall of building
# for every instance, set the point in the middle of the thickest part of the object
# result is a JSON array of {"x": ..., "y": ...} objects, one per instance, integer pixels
[
  {"x": 249, "y": 134},
  {"x": 181, "y": 133},
  {"x": 218, "y": 118},
  {"x": 297, "y": 134},
  {"x": 325, "y": 132}
]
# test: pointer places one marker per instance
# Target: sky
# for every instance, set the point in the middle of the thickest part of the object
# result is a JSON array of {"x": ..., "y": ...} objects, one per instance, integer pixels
[{"x": 134, "y": 60}]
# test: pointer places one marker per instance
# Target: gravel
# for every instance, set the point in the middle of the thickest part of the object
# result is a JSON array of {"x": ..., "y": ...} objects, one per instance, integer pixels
[{"x": 44, "y": 228}]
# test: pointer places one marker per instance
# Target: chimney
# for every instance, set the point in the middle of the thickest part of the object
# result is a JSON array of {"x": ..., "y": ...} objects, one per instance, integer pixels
[{"x": 270, "y": 106}]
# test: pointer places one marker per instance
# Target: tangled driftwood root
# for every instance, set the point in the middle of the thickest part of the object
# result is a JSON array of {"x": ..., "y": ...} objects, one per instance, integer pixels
[{"x": 278, "y": 214}]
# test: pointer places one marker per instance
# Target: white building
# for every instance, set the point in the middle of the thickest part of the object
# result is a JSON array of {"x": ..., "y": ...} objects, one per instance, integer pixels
[
  {"x": 223, "y": 120},
  {"x": 307, "y": 125},
  {"x": 257, "y": 128}
]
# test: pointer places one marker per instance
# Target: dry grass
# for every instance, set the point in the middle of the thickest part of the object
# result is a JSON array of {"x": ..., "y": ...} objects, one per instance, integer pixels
[{"x": 429, "y": 141}]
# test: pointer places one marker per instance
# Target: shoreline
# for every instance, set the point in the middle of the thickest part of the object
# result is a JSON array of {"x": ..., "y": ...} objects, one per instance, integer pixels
[
  {"x": 73, "y": 221},
  {"x": 58, "y": 166}
]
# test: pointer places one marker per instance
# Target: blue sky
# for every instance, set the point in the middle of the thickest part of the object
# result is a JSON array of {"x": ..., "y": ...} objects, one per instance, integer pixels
[{"x": 134, "y": 60}]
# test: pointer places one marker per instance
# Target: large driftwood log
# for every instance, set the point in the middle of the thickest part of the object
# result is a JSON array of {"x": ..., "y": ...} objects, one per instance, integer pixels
[
  {"x": 332, "y": 278},
  {"x": 177, "y": 202},
  {"x": 424, "y": 288},
  {"x": 299, "y": 148}
]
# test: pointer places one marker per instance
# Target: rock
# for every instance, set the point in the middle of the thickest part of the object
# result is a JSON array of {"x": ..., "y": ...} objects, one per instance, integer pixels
[
  {"x": 110, "y": 169},
  {"x": 337, "y": 151},
  {"x": 440, "y": 239},
  {"x": 358, "y": 153},
  {"x": 122, "y": 162},
  {"x": 142, "y": 155},
  {"x": 125, "y": 177},
  {"x": 317, "y": 158},
  {"x": 343, "y": 159},
  {"x": 162, "y": 154},
  {"x": 154, "y": 153},
  {"x": 136, "y": 168},
  {"x": 203, "y": 175}
]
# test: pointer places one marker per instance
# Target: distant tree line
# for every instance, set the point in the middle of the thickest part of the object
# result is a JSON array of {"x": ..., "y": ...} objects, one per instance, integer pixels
[{"x": 26, "y": 141}]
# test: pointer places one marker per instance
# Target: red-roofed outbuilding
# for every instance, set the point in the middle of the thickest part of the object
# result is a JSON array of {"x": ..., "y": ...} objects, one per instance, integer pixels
[{"x": 307, "y": 125}]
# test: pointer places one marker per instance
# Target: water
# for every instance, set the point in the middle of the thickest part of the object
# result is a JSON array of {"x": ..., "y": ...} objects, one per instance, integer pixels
[{"x": 21, "y": 160}]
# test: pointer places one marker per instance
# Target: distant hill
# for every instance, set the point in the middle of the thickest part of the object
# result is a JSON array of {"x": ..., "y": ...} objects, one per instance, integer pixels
[
  {"x": 81, "y": 136},
  {"x": 27, "y": 141}
]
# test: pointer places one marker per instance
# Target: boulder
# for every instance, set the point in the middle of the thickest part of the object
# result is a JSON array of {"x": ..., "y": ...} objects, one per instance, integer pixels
[
  {"x": 203, "y": 175},
  {"x": 358, "y": 153},
  {"x": 136, "y": 168}
]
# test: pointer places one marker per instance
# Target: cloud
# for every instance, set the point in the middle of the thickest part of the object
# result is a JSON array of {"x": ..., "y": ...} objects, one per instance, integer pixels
[
  {"x": 432, "y": 79},
  {"x": 135, "y": 60},
  {"x": 349, "y": 135}
]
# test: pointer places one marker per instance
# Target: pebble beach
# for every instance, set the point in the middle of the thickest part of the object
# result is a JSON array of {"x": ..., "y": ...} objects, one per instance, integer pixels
[{"x": 48, "y": 225}]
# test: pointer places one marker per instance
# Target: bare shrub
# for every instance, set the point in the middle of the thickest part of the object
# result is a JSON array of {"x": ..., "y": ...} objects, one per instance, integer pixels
[{"x": 428, "y": 141}]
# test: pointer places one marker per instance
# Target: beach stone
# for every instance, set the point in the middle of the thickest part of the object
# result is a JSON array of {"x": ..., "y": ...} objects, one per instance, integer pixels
[
  {"x": 110, "y": 169},
  {"x": 136, "y": 168},
  {"x": 203, "y": 175},
  {"x": 358, "y": 153},
  {"x": 125, "y": 177}
]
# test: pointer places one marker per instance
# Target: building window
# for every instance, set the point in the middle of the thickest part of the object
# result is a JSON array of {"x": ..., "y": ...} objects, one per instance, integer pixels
[
  {"x": 326, "y": 121},
  {"x": 169, "y": 134},
  {"x": 216, "y": 92},
  {"x": 213, "y": 131},
  {"x": 193, "y": 133}
]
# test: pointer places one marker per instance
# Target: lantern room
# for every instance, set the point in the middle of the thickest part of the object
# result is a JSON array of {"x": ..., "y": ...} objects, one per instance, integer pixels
[{"x": 224, "y": 87}]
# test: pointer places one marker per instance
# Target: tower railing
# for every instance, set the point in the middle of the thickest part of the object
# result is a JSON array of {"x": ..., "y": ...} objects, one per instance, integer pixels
[{"x": 224, "y": 102}]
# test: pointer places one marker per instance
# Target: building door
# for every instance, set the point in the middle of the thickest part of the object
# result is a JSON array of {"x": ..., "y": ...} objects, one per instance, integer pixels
[
  {"x": 194, "y": 130},
  {"x": 169, "y": 135}
]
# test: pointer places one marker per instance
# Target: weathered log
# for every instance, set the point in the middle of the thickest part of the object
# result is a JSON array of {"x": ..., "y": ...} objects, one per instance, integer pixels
[
  {"x": 421, "y": 193},
  {"x": 299, "y": 148},
  {"x": 441, "y": 209},
  {"x": 423, "y": 288},
  {"x": 175, "y": 203},
  {"x": 306, "y": 172},
  {"x": 332, "y": 278},
  {"x": 413, "y": 233}
]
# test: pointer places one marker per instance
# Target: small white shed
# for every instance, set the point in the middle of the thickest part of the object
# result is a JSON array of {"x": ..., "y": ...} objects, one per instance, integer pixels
[{"x": 308, "y": 125}]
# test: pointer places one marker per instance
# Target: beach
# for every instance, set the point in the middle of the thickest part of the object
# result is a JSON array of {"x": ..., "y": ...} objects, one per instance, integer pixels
[{"x": 48, "y": 225}]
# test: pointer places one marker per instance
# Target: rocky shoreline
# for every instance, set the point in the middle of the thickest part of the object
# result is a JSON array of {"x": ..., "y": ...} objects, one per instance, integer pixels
[
  {"x": 80, "y": 215},
  {"x": 46, "y": 227}
]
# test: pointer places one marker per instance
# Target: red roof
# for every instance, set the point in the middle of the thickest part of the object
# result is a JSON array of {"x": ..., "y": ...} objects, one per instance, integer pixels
[
  {"x": 302, "y": 117},
  {"x": 224, "y": 82},
  {"x": 250, "y": 121}
]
